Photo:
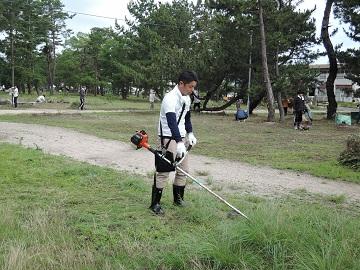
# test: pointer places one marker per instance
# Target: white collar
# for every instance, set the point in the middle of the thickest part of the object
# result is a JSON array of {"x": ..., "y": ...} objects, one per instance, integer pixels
[{"x": 178, "y": 92}]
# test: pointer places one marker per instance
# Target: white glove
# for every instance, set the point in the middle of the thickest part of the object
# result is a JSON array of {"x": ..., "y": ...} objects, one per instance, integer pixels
[
  {"x": 180, "y": 149},
  {"x": 192, "y": 139}
]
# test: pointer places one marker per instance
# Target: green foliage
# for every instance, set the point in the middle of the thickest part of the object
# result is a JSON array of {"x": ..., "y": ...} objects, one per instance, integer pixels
[
  {"x": 350, "y": 157},
  {"x": 351, "y": 58},
  {"x": 31, "y": 31},
  {"x": 162, "y": 39},
  {"x": 348, "y": 12},
  {"x": 289, "y": 34}
]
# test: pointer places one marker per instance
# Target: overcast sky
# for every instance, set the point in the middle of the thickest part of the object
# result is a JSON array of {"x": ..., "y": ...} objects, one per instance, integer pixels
[{"x": 118, "y": 9}]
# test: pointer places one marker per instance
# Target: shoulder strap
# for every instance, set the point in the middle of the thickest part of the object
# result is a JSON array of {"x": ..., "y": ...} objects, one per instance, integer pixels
[{"x": 161, "y": 133}]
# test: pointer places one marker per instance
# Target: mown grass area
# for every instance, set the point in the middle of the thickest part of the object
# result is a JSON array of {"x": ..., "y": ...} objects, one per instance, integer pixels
[
  {"x": 348, "y": 104},
  {"x": 57, "y": 213},
  {"x": 63, "y": 101},
  {"x": 254, "y": 141},
  {"x": 71, "y": 101}
]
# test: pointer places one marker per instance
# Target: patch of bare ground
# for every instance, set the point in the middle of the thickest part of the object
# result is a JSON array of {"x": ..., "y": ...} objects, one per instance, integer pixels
[{"x": 221, "y": 175}]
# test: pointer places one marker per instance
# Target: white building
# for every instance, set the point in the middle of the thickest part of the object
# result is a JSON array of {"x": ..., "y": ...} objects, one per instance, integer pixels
[{"x": 343, "y": 88}]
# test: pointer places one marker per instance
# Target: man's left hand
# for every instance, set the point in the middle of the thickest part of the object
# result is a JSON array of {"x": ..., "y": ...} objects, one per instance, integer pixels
[{"x": 192, "y": 139}]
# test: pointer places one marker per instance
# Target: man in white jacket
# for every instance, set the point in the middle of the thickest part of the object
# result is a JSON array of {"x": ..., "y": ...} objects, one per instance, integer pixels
[
  {"x": 152, "y": 99},
  {"x": 175, "y": 131},
  {"x": 40, "y": 99},
  {"x": 15, "y": 92}
]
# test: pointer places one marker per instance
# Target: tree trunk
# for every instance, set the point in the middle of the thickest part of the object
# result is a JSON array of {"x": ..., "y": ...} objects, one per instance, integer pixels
[
  {"x": 12, "y": 51},
  {"x": 97, "y": 76},
  {"x": 269, "y": 91},
  {"x": 227, "y": 104},
  {"x": 28, "y": 86},
  {"x": 332, "y": 107},
  {"x": 279, "y": 98},
  {"x": 255, "y": 100},
  {"x": 47, "y": 52},
  {"x": 37, "y": 89},
  {"x": 223, "y": 107},
  {"x": 211, "y": 92},
  {"x": 53, "y": 58},
  {"x": 250, "y": 72}
]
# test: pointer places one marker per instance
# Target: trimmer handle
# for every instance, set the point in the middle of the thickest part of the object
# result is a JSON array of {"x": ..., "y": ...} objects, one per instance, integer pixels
[{"x": 178, "y": 160}]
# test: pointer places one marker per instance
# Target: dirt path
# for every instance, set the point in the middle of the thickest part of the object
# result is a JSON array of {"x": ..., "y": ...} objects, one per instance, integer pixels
[{"x": 231, "y": 175}]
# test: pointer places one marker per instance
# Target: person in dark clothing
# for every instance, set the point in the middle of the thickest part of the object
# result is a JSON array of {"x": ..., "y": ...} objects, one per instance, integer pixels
[
  {"x": 299, "y": 108},
  {"x": 285, "y": 104},
  {"x": 82, "y": 93},
  {"x": 196, "y": 99},
  {"x": 240, "y": 113}
]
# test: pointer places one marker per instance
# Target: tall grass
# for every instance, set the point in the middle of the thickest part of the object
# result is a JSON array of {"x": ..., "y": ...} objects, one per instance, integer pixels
[{"x": 57, "y": 213}]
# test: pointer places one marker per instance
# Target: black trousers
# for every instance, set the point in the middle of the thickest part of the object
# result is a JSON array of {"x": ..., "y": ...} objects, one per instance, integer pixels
[
  {"x": 82, "y": 103},
  {"x": 197, "y": 106},
  {"x": 298, "y": 118},
  {"x": 285, "y": 110}
]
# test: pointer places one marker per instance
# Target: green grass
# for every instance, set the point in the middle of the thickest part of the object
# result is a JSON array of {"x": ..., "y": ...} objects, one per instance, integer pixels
[
  {"x": 57, "y": 213},
  {"x": 348, "y": 104},
  {"x": 254, "y": 141},
  {"x": 71, "y": 101}
]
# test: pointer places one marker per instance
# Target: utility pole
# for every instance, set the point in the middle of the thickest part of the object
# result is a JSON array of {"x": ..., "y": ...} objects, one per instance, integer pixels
[
  {"x": 12, "y": 50},
  {"x": 250, "y": 69}
]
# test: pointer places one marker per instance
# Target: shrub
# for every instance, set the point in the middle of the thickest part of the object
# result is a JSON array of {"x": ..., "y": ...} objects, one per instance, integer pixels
[{"x": 350, "y": 157}]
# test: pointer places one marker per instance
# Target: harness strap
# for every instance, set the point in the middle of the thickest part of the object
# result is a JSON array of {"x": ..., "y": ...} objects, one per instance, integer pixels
[{"x": 161, "y": 132}]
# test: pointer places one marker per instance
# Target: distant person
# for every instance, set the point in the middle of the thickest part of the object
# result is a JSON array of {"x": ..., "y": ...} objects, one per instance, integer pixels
[
  {"x": 285, "y": 105},
  {"x": 152, "y": 99},
  {"x": 15, "y": 95},
  {"x": 238, "y": 104},
  {"x": 290, "y": 105},
  {"x": 308, "y": 116},
  {"x": 196, "y": 100},
  {"x": 240, "y": 113},
  {"x": 40, "y": 99},
  {"x": 82, "y": 93},
  {"x": 358, "y": 116},
  {"x": 299, "y": 108}
]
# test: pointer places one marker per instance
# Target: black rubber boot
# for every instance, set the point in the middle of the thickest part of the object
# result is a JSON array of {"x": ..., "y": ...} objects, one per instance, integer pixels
[
  {"x": 155, "y": 201},
  {"x": 178, "y": 192}
]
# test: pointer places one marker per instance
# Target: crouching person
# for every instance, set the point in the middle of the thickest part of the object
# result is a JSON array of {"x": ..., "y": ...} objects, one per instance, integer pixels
[
  {"x": 240, "y": 113},
  {"x": 175, "y": 133}
]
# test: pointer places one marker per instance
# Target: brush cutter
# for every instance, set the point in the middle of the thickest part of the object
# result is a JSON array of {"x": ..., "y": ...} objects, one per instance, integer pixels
[{"x": 140, "y": 139}]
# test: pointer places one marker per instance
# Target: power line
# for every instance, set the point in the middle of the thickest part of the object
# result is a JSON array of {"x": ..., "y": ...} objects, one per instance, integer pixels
[
  {"x": 117, "y": 19},
  {"x": 94, "y": 15},
  {"x": 105, "y": 17}
]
